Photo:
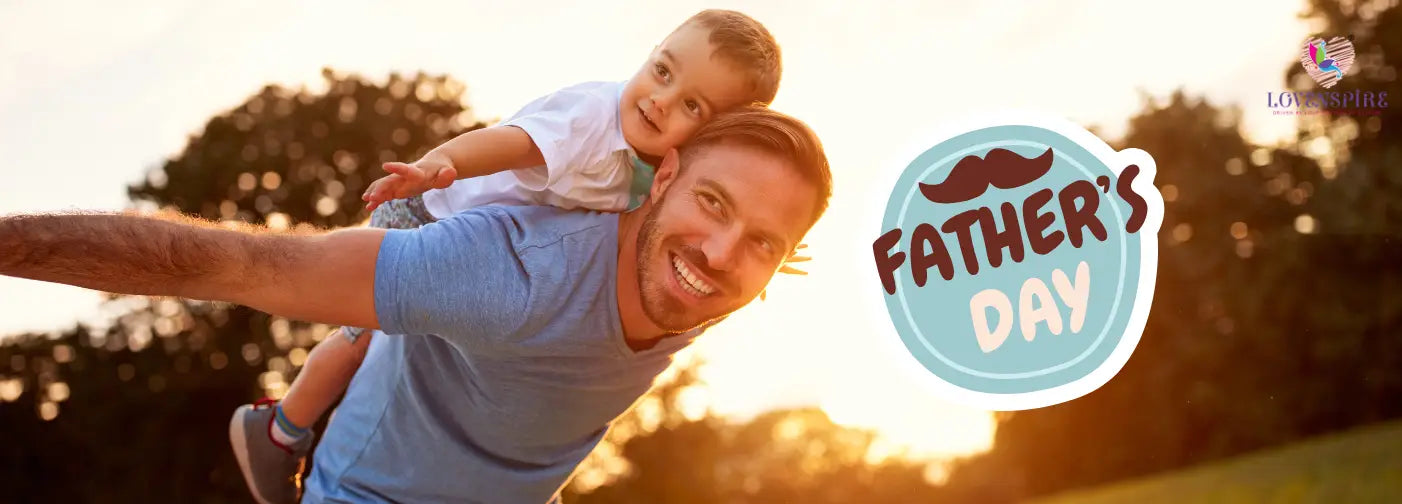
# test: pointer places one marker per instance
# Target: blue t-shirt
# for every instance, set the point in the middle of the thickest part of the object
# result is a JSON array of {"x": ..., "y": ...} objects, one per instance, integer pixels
[{"x": 514, "y": 366}]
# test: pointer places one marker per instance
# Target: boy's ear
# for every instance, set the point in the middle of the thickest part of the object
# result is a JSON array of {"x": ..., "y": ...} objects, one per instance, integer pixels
[{"x": 666, "y": 174}]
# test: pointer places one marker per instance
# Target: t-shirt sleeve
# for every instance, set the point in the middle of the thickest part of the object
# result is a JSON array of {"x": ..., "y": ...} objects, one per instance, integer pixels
[
  {"x": 456, "y": 278},
  {"x": 571, "y": 129}
]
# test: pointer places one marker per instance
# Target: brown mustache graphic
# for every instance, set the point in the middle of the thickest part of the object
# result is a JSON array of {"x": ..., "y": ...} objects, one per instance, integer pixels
[{"x": 1000, "y": 168}]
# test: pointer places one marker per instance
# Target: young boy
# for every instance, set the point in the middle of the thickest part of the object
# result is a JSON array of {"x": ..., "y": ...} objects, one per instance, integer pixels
[{"x": 590, "y": 145}]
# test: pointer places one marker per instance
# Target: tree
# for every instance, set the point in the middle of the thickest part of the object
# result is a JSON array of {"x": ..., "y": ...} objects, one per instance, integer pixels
[
  {"x": 1358, "y": 213},
  {"x": 1277, "y": 312},
  {"x": 139, "y": 411},
  {"x": 656, "y": 453},
  {"x": 1364, "y": 152}
]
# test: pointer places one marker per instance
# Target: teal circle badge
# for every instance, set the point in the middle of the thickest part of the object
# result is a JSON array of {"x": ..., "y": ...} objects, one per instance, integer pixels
[{"x": 1018, "y": 260}]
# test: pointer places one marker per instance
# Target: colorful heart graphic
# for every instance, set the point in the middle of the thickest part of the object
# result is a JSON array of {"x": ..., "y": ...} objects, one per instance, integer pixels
[{"x": 1327, "y": 61}]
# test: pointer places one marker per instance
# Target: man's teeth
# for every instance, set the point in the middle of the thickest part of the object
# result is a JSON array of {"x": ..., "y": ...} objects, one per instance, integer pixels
[{"x": 689, "y": 280}]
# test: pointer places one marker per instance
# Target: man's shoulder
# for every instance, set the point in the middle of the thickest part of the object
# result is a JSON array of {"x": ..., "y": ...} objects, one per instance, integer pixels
[{"x": 540, "y": 226}]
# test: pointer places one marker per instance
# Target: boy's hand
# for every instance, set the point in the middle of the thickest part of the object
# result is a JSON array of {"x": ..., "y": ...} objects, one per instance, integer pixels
[
  {"x": 786, "y": 268},
  {"x": 794, "y": 257},
  {"x": 408, "y": 180}
]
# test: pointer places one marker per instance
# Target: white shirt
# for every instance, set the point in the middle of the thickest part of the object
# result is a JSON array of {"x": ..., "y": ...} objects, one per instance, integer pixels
[{"x": 588, "y": 164}]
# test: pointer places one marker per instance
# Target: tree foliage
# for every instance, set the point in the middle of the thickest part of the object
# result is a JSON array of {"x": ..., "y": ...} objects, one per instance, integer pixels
[{"x": 138, "y": 411}]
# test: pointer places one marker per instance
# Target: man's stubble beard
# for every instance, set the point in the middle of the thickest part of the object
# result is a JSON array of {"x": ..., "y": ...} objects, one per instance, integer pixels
[{"x": 659, "y": 307}]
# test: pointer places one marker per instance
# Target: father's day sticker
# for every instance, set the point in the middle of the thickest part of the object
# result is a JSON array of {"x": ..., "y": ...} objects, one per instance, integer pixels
[{"x": 1018, "y": 261}]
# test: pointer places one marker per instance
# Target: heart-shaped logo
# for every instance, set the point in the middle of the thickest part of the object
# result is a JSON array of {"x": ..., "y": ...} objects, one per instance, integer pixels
[{"x": 1327, "y": 61}]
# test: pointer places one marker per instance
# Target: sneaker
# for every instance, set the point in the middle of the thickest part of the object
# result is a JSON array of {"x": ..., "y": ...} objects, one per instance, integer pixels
[{"x": 272, "y": 470}]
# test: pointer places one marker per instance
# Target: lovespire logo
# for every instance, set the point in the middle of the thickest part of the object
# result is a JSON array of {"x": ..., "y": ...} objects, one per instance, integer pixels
[
  {"x": 1327, "y": 61},
  {"x": 1017, "y": 260}
]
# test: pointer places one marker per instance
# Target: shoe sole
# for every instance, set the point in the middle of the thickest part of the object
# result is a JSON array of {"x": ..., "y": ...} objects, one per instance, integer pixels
[{"x": 237, "y": 438}]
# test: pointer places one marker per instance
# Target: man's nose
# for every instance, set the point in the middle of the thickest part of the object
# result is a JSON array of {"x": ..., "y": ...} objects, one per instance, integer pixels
[{"x": 722, "y": 249}]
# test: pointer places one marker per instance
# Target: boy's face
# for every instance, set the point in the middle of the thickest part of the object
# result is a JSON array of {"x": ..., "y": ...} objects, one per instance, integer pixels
[{"x": 679, "y": 88}]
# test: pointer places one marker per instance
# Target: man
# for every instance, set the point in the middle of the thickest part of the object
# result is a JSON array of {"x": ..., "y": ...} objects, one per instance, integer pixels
[{"x": 528, "y": 329}]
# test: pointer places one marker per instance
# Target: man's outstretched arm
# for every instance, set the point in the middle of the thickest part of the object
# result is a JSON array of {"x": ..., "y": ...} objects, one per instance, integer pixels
[{"x": 327, "y": 278}]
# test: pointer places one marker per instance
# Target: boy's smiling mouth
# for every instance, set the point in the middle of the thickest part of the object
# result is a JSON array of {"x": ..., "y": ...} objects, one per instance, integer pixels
[{"x": 648, "y": 120}]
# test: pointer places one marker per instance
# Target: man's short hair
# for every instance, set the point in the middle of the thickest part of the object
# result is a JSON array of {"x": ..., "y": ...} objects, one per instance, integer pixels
[
  {"x": 745, "y": 43},
  {"x": 774, "y": 133}
]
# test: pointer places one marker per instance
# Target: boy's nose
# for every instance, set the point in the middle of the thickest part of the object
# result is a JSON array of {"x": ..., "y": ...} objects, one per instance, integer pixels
[{"x": 662, "y": 103}]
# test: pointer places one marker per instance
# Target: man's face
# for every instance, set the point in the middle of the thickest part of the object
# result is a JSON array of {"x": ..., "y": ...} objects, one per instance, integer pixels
[
  {"x": 716, "y": 232},
  {"x": 679, "y": 88}
]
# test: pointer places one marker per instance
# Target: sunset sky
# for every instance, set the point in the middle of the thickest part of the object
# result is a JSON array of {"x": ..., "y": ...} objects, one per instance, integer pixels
[{"x": 93, "y": 94}]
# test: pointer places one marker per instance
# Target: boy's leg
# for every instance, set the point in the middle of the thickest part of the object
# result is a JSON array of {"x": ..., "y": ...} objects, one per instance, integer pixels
[
  {"x": 325, "y": 376},
  {"x": 270, "y": 443}
]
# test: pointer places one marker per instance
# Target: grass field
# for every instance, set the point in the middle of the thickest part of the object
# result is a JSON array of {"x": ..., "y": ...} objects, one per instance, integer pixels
[{"x": 1360, "y": 466}]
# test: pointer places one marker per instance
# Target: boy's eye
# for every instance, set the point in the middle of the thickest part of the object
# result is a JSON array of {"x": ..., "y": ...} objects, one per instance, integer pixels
[
  {"x": 693, "y": 107},
  {"x": 662, "y": 70}
]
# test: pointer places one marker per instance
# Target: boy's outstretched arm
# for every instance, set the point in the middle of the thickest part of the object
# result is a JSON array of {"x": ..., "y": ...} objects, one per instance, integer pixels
[
  {"x": 326, "y": 277},
  {"x": 490, "y": 150},
  {"x": 473, "y": 154}
]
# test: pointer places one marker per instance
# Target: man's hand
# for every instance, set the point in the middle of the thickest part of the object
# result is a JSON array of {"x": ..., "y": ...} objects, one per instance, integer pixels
[{"x": 409, "y": 180}]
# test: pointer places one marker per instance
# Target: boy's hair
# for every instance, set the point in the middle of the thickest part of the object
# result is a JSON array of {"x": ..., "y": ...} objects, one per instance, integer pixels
[
  {"x": 775, "y": 133},
  {"x": 745, "y": 43}
]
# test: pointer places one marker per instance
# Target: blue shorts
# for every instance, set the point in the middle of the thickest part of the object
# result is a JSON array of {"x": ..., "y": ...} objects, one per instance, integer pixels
[{"x": 405, "y": 213}]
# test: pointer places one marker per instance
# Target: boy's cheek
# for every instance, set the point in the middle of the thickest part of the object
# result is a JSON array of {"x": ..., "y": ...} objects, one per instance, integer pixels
[{"x": 685, "y": 131}]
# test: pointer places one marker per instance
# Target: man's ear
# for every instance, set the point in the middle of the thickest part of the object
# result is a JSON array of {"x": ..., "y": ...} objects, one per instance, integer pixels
[{"x": 666, "y": 174}]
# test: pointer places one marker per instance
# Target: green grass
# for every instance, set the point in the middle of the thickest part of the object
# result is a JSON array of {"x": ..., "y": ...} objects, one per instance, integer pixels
[{"x": 1360, "y": 466}]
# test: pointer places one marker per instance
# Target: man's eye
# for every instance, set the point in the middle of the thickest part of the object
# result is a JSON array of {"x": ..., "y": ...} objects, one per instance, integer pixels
[{"x": 711, "y": 203}]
